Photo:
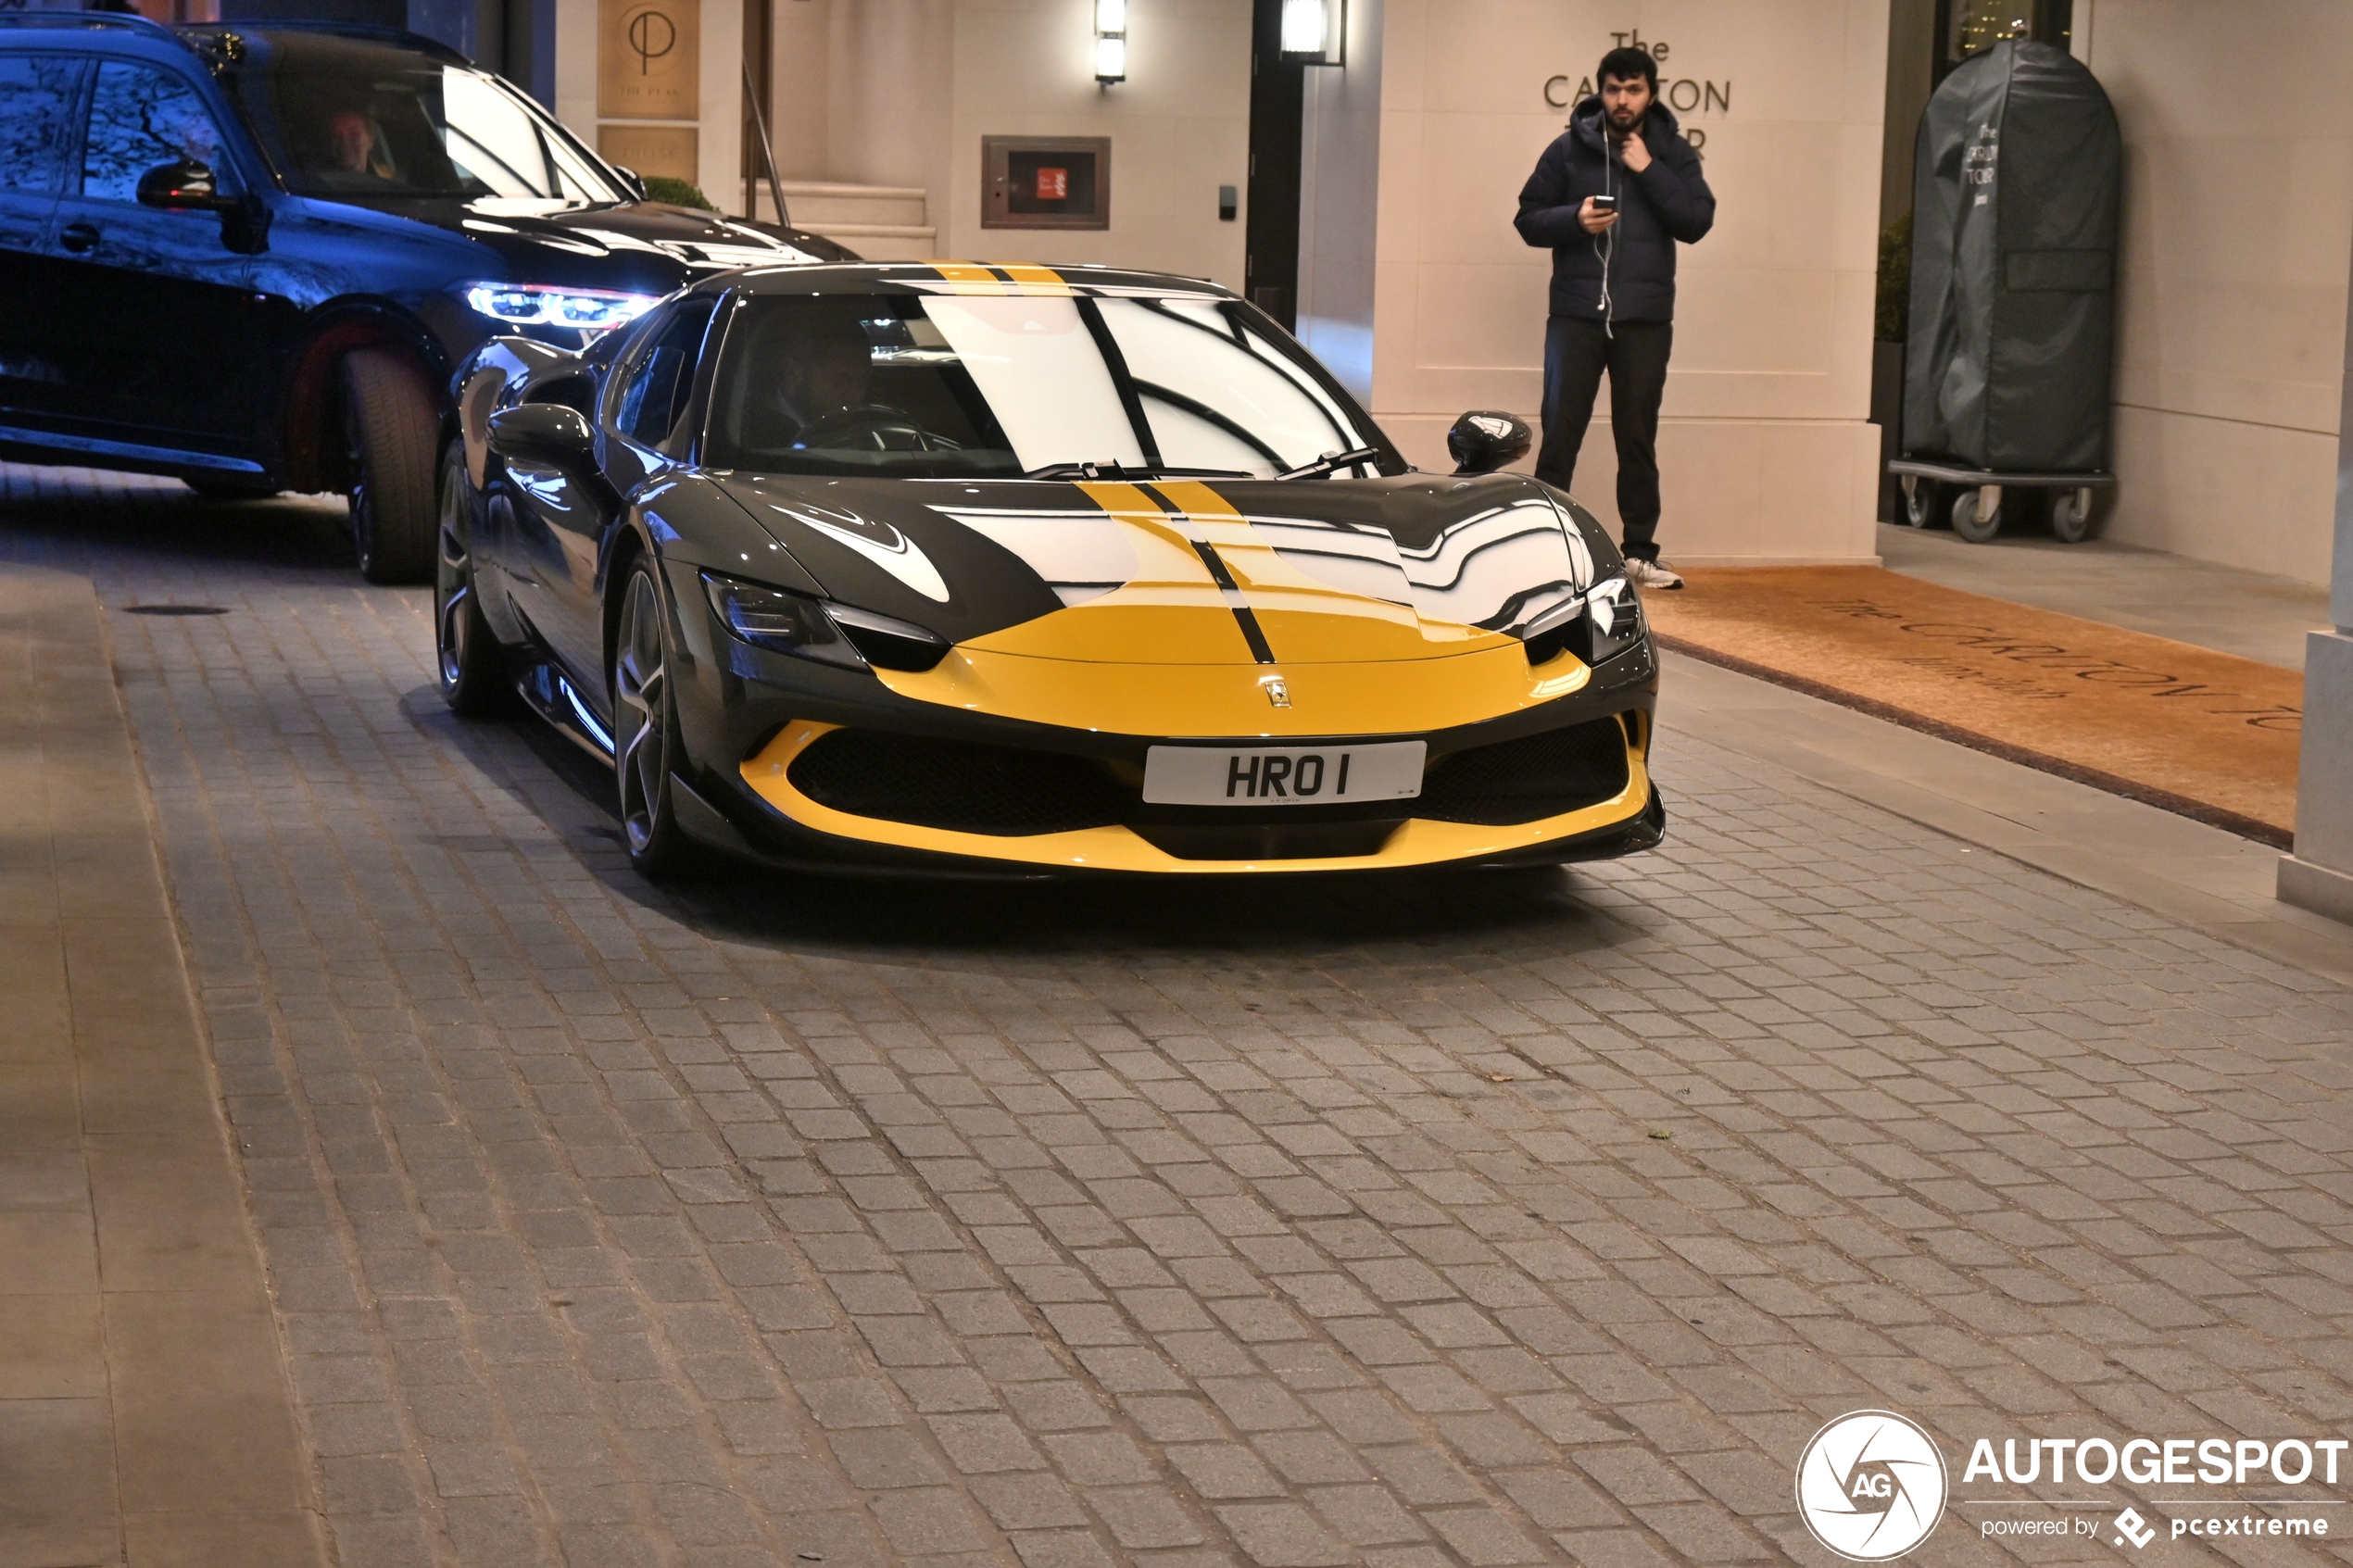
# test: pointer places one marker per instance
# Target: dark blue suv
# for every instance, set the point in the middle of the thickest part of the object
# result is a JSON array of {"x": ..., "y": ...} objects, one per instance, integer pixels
[{"x": 252, "y": 256}]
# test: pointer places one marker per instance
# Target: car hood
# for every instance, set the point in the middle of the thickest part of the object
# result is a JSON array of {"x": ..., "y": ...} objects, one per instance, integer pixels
[
  {"x": 1186, "y": 572},
  {"x": 642, "y": 246}
]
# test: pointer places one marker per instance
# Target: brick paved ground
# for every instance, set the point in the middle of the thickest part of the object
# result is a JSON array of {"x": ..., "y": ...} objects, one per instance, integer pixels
[{"x": 1488, "y": 1222}]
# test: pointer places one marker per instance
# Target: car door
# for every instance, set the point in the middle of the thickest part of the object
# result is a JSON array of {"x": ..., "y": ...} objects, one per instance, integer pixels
[
  {"x": 560, "y": 518},
  {"x": 165, "y": 327},
  {"x": 39, "y": 95}
]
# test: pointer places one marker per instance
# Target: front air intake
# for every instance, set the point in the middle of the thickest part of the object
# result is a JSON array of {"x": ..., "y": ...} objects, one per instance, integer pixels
[
  {"x": 958, "y": 785},
  {"x": 1526, "y": 780}
]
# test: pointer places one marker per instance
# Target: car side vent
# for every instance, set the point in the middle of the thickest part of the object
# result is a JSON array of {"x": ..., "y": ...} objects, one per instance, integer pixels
[{"x": 892, "y": 644}]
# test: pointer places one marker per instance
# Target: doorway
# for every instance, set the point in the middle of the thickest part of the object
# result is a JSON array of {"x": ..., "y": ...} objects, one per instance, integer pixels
[{"x": 1278, "y": 104}]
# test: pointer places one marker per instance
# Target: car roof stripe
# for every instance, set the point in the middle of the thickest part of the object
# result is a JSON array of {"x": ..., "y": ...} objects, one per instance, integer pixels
[
  {"x": 1035, "y": 280},
  {"x": 971, "y": 278}
]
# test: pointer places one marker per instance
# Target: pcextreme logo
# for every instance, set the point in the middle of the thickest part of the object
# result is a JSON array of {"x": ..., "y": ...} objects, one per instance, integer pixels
[{"x": 1870, "y": 1486}]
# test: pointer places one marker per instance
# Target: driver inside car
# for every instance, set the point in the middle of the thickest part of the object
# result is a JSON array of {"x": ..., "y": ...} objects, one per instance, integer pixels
[
  {"x": 357, "y": 145},
  {"x": 818, "y": 391}
]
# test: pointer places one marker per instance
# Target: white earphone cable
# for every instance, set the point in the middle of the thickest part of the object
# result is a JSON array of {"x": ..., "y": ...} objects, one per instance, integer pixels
[{"x": 1605, "y": 243}]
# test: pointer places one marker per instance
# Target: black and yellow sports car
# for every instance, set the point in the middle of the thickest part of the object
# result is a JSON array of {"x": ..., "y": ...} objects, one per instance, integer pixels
[{"x": 1011, "y": 570}]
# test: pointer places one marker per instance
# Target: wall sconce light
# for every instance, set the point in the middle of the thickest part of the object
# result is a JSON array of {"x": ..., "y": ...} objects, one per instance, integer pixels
[
  {"x": 1314, "y": 32},
  {"x": 1111, "y": 41}
]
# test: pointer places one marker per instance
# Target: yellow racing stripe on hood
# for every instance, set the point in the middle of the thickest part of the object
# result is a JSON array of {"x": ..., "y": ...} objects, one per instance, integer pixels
[
  {"x": 1169, "y": 611},
  {"x": 1308, "y": 621}
]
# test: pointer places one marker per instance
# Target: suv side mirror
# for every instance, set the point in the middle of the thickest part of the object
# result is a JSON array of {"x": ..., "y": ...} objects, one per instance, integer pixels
[
  {"x": 633, "y": 179},
  {"x": 1488, "y": 439},
  {"x": 546, "y": 432},
  {"x": 184, "y": 186}
]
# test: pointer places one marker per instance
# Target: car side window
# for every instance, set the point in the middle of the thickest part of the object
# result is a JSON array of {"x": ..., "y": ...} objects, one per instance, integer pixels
[
  {"x": 36, "y": 119},
  {"x": 662, "y": 376},
  {"x": 140, "y": 118}
]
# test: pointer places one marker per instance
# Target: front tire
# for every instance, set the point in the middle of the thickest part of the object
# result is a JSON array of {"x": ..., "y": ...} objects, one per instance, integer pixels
[
  {"x": 391, "y": 423},
  {"x": 645, "y": 727},
  {"x": 471, "y": 666}
]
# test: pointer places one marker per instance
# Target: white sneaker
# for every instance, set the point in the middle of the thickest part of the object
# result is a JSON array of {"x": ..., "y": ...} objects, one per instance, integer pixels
[{"x": 1650, "y": 574}]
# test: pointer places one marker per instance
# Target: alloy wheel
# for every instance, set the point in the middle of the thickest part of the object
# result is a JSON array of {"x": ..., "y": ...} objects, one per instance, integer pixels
[
  {"x": 455, "y": 589},
  {"x": 641, "y": 708}
]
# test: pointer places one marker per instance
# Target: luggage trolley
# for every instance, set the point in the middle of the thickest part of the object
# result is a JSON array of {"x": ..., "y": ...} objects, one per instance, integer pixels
[
  {"x": 2011, "y": 329},
  {"x": 1976, "y": 505}
]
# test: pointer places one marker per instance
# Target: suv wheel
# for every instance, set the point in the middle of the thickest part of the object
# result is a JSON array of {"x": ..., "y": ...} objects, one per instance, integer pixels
[{"x": 390, "y": 423}]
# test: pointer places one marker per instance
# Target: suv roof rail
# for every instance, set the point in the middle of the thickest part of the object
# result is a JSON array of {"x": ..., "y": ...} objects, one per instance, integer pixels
[
  {"x": 132, "y": 19},
  {"x": 366, "y": 31}
]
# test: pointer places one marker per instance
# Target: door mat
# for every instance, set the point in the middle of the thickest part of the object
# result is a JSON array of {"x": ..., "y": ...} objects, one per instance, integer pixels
[{"x": 2207, "y": 734}]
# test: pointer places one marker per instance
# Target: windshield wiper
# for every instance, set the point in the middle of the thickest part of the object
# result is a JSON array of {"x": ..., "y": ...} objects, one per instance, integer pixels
[
  {"x": 1127, "y": 470},
  {"x": 1331, "y": 460}
]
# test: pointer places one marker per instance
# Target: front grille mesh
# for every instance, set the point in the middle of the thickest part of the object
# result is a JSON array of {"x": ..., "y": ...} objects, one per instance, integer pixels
[
  {"x": 1008, "y": 792},
  {"x": 957, "y": 785},
  {"x": 1524, "y": 780}
]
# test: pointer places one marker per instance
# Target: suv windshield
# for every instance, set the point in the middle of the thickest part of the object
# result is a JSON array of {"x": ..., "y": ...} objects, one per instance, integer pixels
[
  {"x": 916, "y": 386},
  {"x": 345, "y": 118}
]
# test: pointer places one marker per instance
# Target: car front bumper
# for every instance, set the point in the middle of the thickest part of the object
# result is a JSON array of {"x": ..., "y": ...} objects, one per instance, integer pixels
[{"x": 748, "y": 716}]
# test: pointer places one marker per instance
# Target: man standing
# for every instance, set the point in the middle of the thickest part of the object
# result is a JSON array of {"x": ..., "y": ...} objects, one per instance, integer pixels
[{"x": 1611, "y": 196}]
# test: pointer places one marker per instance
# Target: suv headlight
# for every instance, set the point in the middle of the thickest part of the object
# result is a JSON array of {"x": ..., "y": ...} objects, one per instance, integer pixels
[
  {"x": 830, "y": 633},
  {"x": 538, "y": 305}
]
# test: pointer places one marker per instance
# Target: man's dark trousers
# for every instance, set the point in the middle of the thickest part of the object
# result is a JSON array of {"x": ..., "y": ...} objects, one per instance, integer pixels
[{"x": 1576, "y": 351}]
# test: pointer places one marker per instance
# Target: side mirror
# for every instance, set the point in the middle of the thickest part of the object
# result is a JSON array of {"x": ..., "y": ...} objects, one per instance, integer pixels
[
  {"x": 545, "y": 433},
  {"x": 184, "y": 186},
  {"x": 1487, "y": 439},
  {"x": 631, "y": 178}
]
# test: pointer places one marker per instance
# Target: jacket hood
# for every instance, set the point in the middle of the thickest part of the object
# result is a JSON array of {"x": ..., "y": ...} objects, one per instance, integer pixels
[
  {"x": 1185, "y": 571},
  {"x": 1586, "y": 121}
]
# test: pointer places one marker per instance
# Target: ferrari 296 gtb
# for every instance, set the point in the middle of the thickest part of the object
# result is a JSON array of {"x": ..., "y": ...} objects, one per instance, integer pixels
[{"x": 1018, "y": 571}]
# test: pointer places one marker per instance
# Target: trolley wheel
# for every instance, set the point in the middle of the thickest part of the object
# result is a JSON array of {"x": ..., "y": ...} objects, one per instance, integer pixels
[
  {"x": 1919, "y": 500},
  {"x": 2071, "y": 517},
  {"x": 1970, "y": 523}
]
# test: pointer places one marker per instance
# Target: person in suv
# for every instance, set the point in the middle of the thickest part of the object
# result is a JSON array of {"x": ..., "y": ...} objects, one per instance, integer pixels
[{"x": 252, "y": 256}]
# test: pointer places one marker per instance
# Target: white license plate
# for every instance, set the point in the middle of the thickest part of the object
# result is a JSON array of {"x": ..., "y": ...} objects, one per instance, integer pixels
[{"x": 1283, "y": 775}]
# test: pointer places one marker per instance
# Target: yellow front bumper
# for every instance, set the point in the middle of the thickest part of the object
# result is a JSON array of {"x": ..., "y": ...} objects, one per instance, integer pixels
[{"x": 1419, "y": 842}]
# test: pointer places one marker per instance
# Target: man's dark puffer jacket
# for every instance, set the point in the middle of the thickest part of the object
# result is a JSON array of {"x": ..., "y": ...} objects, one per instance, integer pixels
[{"x": 1666, "y": 202}]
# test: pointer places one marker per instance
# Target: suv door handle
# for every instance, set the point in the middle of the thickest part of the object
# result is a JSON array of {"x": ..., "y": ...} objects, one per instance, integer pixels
[{"x": 79, "y": 237}]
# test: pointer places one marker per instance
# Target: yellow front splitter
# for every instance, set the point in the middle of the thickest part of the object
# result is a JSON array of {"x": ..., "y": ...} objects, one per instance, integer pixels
[{"x": 1419, "y": 842}]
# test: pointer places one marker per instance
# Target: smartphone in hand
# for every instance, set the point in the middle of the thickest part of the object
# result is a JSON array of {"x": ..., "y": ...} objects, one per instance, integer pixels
[{"x": 1604, "y": 204}]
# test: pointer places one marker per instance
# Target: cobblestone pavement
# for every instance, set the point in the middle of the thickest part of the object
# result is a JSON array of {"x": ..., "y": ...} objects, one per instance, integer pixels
[{"x": 1489, "y": 1221}]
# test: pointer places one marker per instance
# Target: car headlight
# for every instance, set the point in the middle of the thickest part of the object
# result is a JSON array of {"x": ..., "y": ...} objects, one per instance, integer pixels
[
  {"x": 782, "y": 622},
  {"x": 538, "y": 305},
  {"x": 1613, "y": 620},
  {"x": 830, "y": 633}
]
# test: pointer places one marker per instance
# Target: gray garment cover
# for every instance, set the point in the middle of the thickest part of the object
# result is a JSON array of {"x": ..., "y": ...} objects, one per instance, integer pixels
[{"x": 2013, "y": 309}]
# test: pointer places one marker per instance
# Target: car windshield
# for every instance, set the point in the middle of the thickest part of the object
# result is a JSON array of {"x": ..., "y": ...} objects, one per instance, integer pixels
[
  {"x": 347, "y": 117},
  {"x": 941, "y": 385}
]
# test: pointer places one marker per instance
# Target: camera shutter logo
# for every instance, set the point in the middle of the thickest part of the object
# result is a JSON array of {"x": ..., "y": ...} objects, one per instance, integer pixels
[{"x": 1871, "y": 1485}]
